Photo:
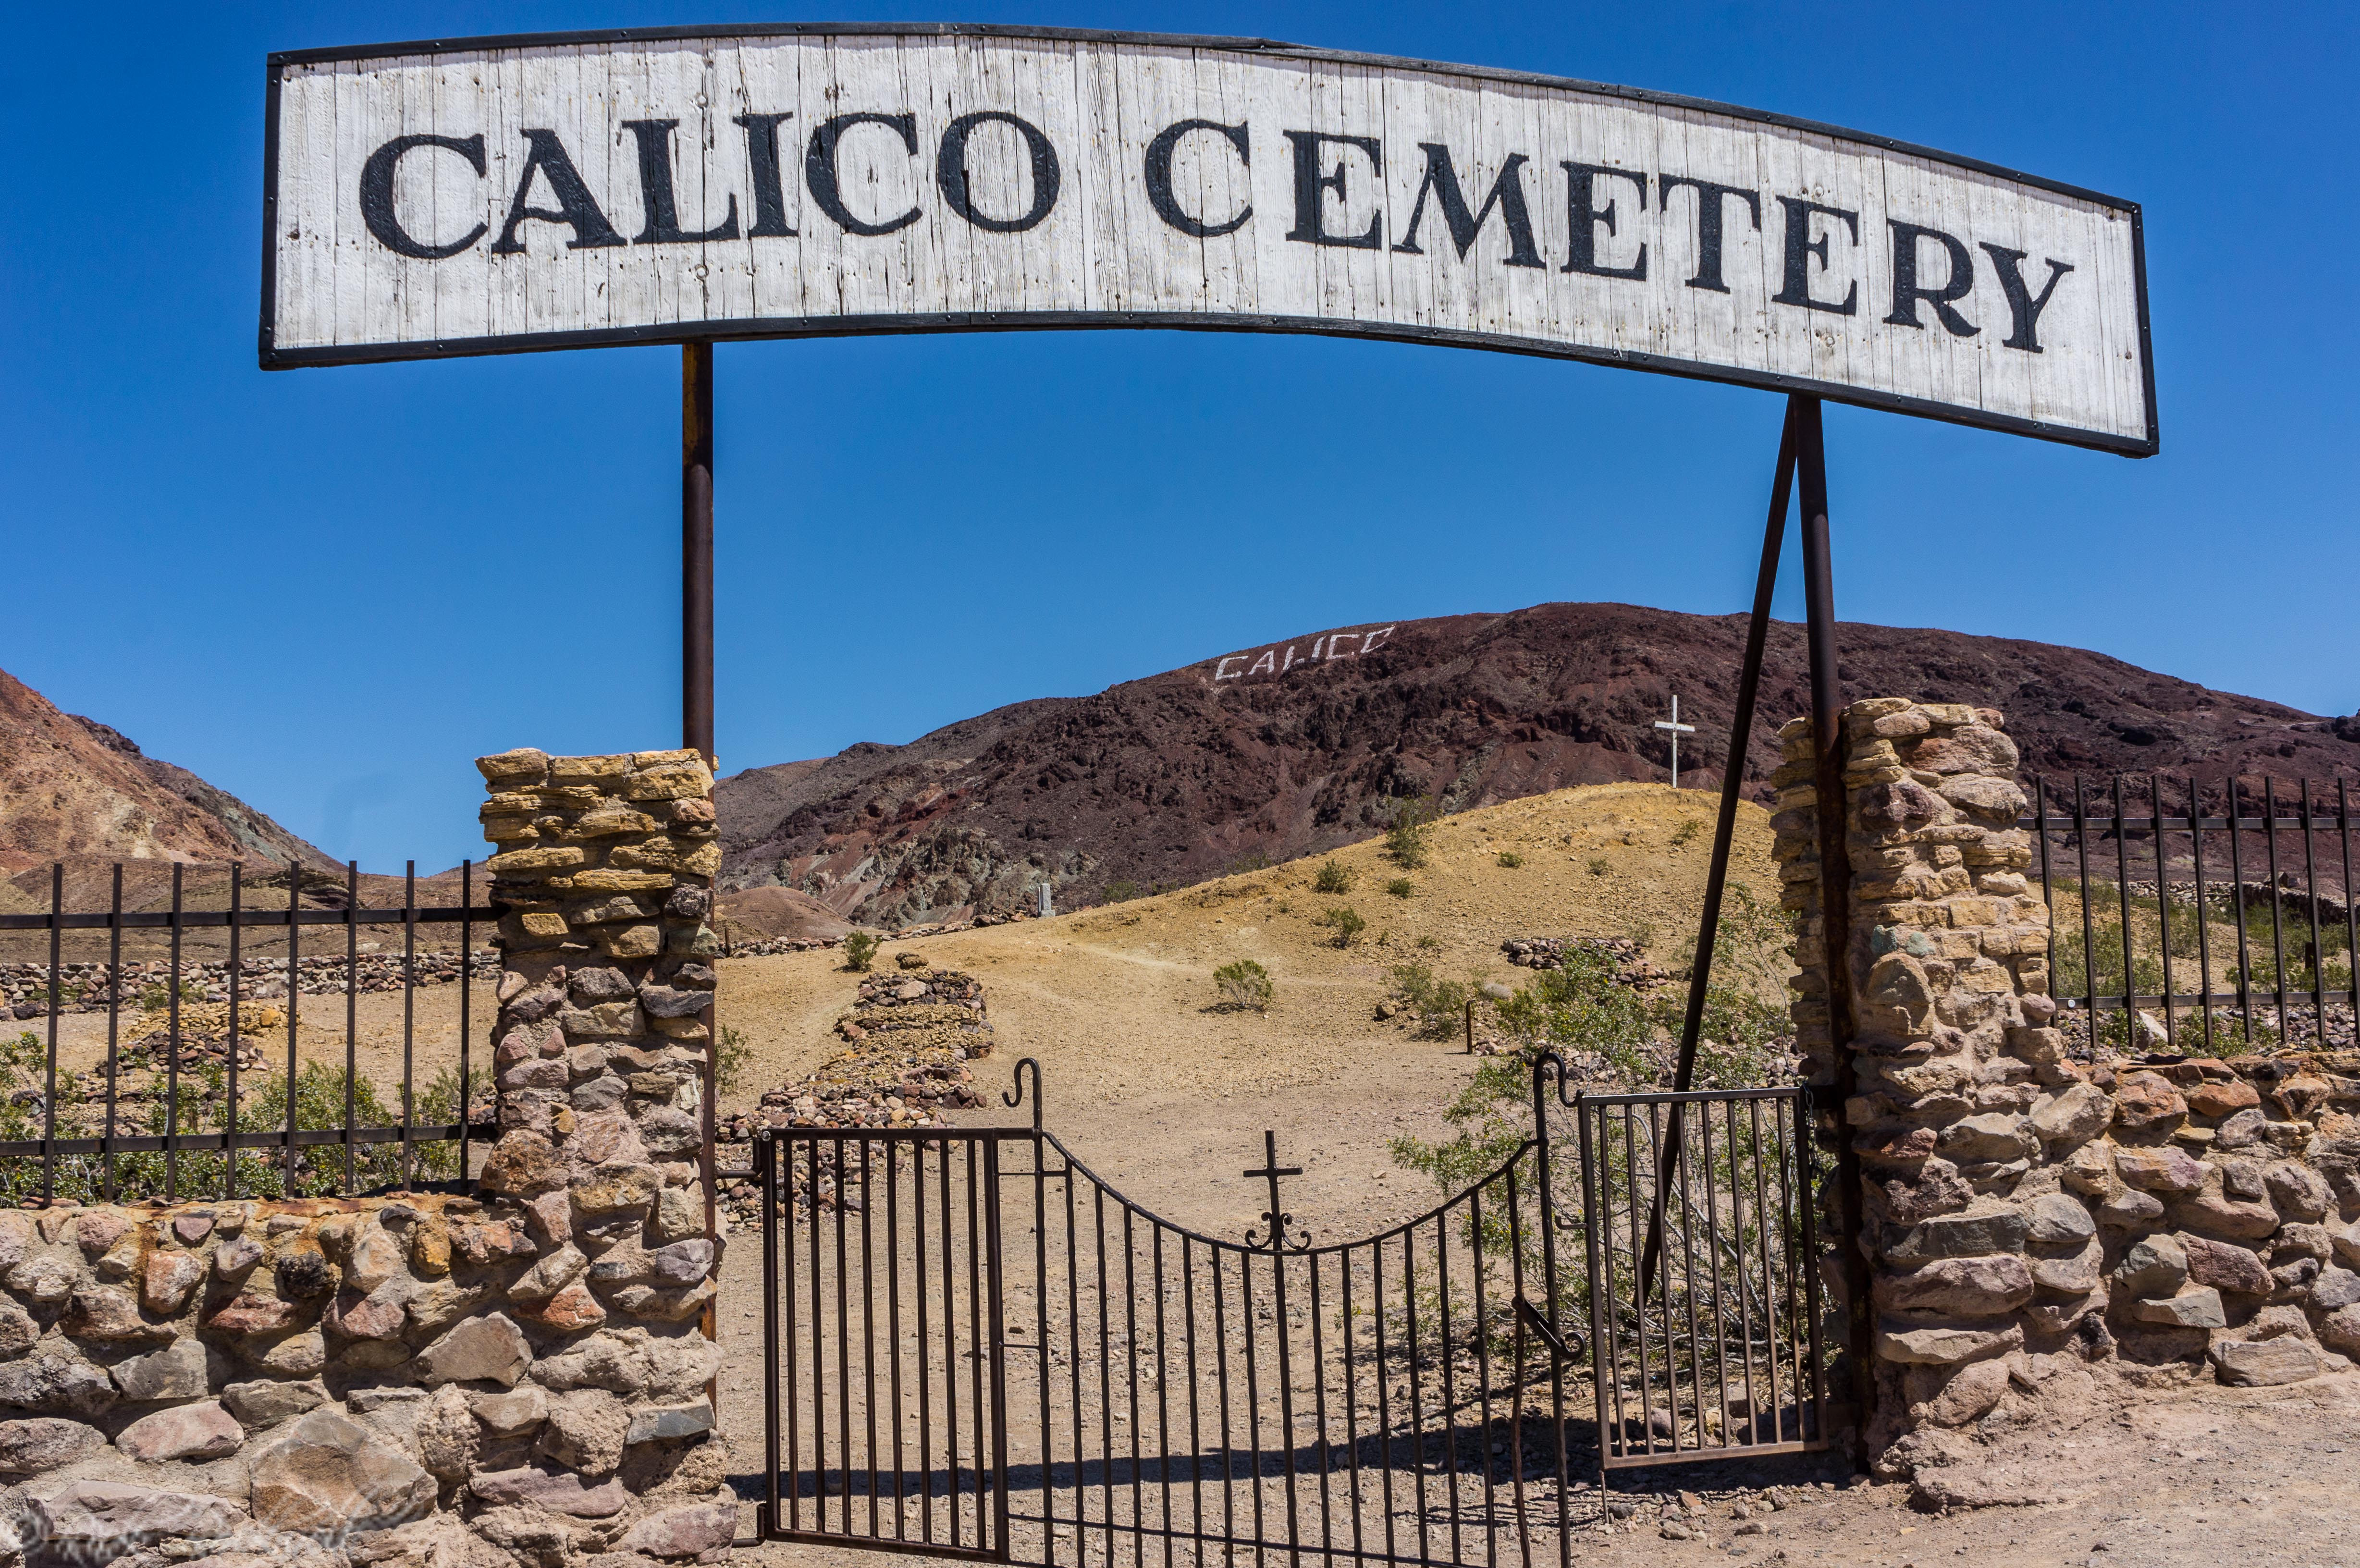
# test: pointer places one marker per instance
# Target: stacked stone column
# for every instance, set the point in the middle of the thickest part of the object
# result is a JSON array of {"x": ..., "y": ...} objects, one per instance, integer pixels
[{"x": 2023, "y": 1210}]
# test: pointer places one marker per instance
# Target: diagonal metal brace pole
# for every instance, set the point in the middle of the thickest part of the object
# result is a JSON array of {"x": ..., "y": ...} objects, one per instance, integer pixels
[{"x": 1733, "y": 781}]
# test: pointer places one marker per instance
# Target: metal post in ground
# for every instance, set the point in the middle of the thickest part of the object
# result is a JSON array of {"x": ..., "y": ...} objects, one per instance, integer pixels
[{"x": 1835, "y": 892}]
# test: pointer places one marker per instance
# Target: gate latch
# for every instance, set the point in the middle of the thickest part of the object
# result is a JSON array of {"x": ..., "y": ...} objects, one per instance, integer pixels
[{"x": 1530, "y": 1316}]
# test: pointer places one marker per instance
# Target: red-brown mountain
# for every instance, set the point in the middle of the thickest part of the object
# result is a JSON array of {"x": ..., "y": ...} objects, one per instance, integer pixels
[
  {"x": 1301, "y": 745},
  {"x": 71, "y": 788}
]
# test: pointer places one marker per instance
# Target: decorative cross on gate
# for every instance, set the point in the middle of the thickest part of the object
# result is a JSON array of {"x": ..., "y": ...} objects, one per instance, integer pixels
[
  {"x": 1278, "y": 1218},
  {"x": 1678, "y": 729}
]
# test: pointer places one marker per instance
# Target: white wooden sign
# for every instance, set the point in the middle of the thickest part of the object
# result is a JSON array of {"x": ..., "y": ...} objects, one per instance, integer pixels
[{"x": 493, "y": 195}]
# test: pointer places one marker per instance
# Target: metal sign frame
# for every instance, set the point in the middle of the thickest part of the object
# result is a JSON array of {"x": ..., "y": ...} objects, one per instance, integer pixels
[{"x": 273, "y": 357}]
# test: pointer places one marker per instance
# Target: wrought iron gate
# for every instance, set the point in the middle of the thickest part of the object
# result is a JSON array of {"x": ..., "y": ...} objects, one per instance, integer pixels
[{"x": 976, "y": 1347}]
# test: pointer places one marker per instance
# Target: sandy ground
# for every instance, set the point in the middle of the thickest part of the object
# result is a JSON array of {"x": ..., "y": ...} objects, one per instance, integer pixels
[{"x": 1167, "y": 1096}]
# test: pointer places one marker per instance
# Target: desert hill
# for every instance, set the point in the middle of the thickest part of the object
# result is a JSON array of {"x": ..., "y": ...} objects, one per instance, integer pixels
[
  {"x": 73, "y": 787},
  {"x": 1271, "y": 753},
  {"x": 1120, "y": 1005}
]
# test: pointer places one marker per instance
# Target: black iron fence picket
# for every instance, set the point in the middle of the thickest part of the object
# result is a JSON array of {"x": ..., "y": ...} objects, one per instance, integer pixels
[
  {"x": 201, "y": 1115},
  {"x": 2212, "y": 916}
]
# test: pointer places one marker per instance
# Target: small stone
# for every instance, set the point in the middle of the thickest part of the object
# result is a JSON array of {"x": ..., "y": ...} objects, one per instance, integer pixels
[
  {"x": 44, "y": 1443},
  {"x": 2246, "y": 1364},
  {"x": 2298, "y": 1191},
  {"x": 665, "y": 1423},
  {"x": 2221, "y": 1099},
  {"x": 233, "y": 1259},
  {"x": 2169, "y": 1170},
  {"x": 175, "y": 1372},
  {"x": 377, "y": 1257},
  {"x": 104, "y": 1312},
  {"x": 168, "y": 1278},
  {"x": 201, "y": 1430},
  {"x": 1970, "y": 1286},
  {"x": 548, "y": 1276},
  {"x": 2195, "y": 1306},
  {"x": 98, "y": 1230},
  {"x": 2146, "y": 1102},
  {"x": 523, "y": 1164},
  {"x": 2073, "y": 1116},
  {"x": 2225, "y": 1265},
  {"x": 364, "y": 1400},
  {"x": 2059, "y": 1220},
  {"x": 2075, "y": 1273},
  {"x": 683, "y": 1262},
  {"x": 488, "y": 1349},
  {"x": 193, "y": 1228},
  {"x": 513, "y": 1413},
  {"x": 1957, "y": 1235},
  {"x": 2340, "y": 1330},
  {"x": 689, "y": 1530},
  {"x": 2154, "y": 1267},
  {"x": 330, "y": 1473},
  {"x": 54, "y": 1384},
  {"x": 297, "y": 1356},
  {"x": 1945, "y": 1346},
  {"x": 585, "y": 1430},
  {"x": 250, "y": 1314},
  {"x": 267, "y": 1401},
  {"x": 96, "y": 1521},
  {"x": 572, "y": 1310},
  {"x": 561, "y": 1492},
  {"x": 2334, "y": 1289}
]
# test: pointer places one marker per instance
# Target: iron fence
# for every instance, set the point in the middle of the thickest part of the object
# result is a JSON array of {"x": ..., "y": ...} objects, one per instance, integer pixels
[
  {"x": 188, "y": 1107},
  {"x": 2224, "y": 906}
]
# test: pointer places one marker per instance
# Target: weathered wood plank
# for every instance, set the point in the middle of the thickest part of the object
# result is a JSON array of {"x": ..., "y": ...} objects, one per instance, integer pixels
[{"x": 994, "y": 178}]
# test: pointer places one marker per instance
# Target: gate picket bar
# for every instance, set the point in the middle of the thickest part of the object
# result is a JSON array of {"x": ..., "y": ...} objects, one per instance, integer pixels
[{"x": 976, "y": 1348}]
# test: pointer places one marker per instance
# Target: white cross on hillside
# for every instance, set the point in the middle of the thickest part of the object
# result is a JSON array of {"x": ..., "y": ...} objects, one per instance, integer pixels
[{"x": 1678, "y": 729}]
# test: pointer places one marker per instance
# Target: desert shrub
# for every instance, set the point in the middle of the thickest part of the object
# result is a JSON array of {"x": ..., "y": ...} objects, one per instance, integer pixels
[
  {"x": 1437, "y": 1005},
  {"x": 1429, "y": 944},
  {"x": 1121, "y": 890},
  {"x": 1582, "y": 1006},
  {"x": 1405, "y": 840},
  {"x": 1510, "y": 859},
  {"x": 1401, "y": 886},
  {"x": 731, "y": 1062},
  {"x": 318, "y": 1170},
  {"x": 1346, "y": 922},
  {"x": 1244, "y": 983},
  {"x": 1686, "y": 832},
  {"x": 860, "y": 950},
  {"x": 1598, "y": 865},
  {"x": 1332, "y": 878}
]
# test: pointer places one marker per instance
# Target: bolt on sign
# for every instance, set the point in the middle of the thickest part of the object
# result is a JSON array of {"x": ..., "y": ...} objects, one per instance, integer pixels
[{"x": 493, "y": 195}]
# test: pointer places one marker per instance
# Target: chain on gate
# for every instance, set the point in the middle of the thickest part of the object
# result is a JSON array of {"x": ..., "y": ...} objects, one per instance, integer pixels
[{"x": 975, "y": 1347}]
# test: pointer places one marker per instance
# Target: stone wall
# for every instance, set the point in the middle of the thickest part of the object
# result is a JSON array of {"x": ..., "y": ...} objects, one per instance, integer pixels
[
  {"x": 516, "y": 1377},
  {"x": 2031, "y": 1211}
]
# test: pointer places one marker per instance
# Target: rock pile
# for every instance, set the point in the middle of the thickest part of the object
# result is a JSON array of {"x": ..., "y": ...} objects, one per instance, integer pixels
[
  {"x": 2026, "y": 1212},
  {"x": 84, "y": 987},
  {"x": 1633, "y": 965}
]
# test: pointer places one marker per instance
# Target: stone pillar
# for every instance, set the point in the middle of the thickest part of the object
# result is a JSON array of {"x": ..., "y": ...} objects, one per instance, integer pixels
[
  {"x": 2034, "y": 1215},
  {"x": 602, "y": 1061},
  {"x": 1949, "y": 969}
]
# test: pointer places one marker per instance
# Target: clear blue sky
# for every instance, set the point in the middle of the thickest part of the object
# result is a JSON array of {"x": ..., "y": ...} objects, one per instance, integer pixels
[{"x": 327, "y": 590}]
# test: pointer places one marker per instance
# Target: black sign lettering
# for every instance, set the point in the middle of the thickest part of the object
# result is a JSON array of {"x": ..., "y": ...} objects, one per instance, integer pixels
[
  {"x": 376, "y": 195},
  {"x": 2023, "y": 309},
  {"x": 1310, "y": 203},
  {"x": 769, "y": 184},
  {"x": 1582, "y": 206},
  {"x": 1801, "y": 248},
  {"x": 663, "y": 226},
  {"x": 1709, "y": 199},
  {"x": 819, "y": 168},
  {"x": 1159, "y": 178},
  {"x": 576, "y": 208},
  {"x": 950, "y": 171},
  {"x": 1507, "y": 194},
  {"x": 1908, "y": 290}
]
